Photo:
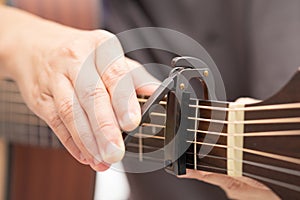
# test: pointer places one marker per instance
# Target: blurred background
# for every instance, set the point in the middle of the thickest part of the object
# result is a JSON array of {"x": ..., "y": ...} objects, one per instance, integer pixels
[{"x": 254, "y": 43}]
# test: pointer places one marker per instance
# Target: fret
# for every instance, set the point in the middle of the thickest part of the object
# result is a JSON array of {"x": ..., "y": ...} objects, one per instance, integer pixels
[
  {"x": 235, "y": 168},
  {"x": 268, "y": 131},
  {"x": 195, "y": 137},
  {"x": 140, "y": 144}
]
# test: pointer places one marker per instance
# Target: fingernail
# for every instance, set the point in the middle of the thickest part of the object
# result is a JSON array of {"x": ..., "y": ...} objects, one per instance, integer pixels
[
  {"x": 130, "y": 121},
  {"x": 113, "y": 153},
  {"x": 97, "y": 159}
]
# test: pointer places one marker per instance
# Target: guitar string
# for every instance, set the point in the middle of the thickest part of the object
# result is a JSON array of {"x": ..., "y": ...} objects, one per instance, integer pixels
[
  {"x": 250, "y": 108},
  {"x": 161, "y": 126},
  {"x": 273, "y": 181},
  {"x": 276, "y": 120},
  {"x": 251, "y": 134},
  {"x": 163, "y": 102},
  {"x": 249, "y": 122},
  {"x": 266, "y": 166},
  {"x": 254, "y": 175},
  {"x": 251, "y": 151},
  {"x": 254, "y": 152},
  {"x": 248, "y": 134},
  {"x": 260, "y": 121}
]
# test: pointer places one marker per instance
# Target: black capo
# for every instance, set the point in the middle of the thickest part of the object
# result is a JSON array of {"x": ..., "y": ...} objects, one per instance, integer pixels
[{"x": 179, "y": 91}]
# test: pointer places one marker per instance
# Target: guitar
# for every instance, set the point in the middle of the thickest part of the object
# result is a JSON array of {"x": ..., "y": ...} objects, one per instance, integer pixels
[
  {"x": 259, "y": 140},
  {"x": 34, "y": 165}
]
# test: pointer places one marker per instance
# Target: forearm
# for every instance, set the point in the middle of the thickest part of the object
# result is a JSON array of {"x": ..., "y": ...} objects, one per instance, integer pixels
[{"x": 19, "y": 32}]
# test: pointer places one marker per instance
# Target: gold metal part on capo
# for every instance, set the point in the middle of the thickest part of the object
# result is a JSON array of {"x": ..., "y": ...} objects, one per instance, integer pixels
[
  {"x": 205, "y": 73},
  {"x": 181, "y": 86}
]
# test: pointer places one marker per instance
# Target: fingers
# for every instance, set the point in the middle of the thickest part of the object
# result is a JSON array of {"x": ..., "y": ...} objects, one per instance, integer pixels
[
  {"x": 124, "y": 100},
  {"x": 114, "y": 72},
  {"x": 236, "y": 188},
  {"x": 76, "y": 122},
  {"x": 56, "y": 124},
  {"x": 105, "y": 101},
  {"x": 95, "y": 101}
]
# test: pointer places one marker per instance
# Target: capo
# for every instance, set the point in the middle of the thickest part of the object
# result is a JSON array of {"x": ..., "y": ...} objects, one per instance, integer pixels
[{"x": 188, "y": 73}]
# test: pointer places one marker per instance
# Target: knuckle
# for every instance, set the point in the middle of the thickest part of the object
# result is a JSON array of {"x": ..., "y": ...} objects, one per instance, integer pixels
[
  {"x": 55, "y": 122},
  {"x": 104, "y": 126},
  {"x": 106, "y": 131},
  {"x": 92, "y": 92},
  {"x": 234, "y": 184},
  {"x": 113, "y": 74},
  {"x": 67, "y": 140},
  {"x": 65, "y": 110}
]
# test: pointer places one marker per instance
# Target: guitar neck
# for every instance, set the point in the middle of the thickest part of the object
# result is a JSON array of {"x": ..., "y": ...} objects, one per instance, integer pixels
[
  {"x": 259, "y": 140},
  {"x": 18, "y": 124}
]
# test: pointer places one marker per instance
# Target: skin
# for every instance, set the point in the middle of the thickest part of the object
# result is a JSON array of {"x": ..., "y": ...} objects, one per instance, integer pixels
[
  {"x": 45, "y": 59},
  {"x": 235, "y": 187}
]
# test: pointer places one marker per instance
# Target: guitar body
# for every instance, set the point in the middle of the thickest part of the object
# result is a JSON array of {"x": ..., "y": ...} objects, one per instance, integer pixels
[
  {"x": 31, "y": 157},
  {"x": 47, "y": 173},
  {"x": 33, "y": 162}
]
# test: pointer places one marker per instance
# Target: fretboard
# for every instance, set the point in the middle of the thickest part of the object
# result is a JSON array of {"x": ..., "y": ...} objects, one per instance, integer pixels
[
  {"x": 270, "y": 133},
  {"x": 18, "y": 124}
]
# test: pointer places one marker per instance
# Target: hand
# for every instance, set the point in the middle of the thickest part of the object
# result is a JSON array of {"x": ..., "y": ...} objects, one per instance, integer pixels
[
  {"x": 235, "y": 187},
  {"x": 67, "y": 78}
]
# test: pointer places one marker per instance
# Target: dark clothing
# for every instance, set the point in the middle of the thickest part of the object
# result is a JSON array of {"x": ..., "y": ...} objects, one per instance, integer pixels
[{"x": 255, "y": 44}]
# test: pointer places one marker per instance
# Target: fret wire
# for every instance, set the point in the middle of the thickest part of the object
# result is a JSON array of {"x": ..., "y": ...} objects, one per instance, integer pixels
[
  {"x": 145, "y": 100},
  {"x": 150, "y": 136},
  {"x": 158, "y": 114},
  {"x": 140, "y": 144},
  {"x": 195, "y": 137},
  {"x": 153, "y": 125},
  {"x": 144, "y": 146},
  {"x": 252, "y": 134},
  {"x": 255, "y": 152},
  {"x": 260, "y": 121}
]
